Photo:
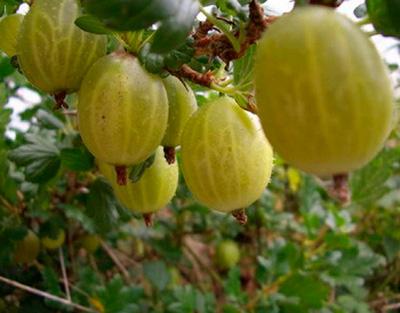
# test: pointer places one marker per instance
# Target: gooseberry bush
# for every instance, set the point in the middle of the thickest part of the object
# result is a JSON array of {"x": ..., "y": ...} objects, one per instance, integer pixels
[{"x": 199, "y": 156}]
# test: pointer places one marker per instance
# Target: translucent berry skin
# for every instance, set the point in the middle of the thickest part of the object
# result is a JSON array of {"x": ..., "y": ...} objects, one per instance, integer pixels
[
  {"x": 323, "y": 93},
  {"x": 123, "y": 110},
  {"x": 53, "y": 52},
  {"x": 227, "y": 161},
  {"x": 9, "y": 30},
  {"x": 152, "y": 192},
  {"x": 182, "y": 104}
]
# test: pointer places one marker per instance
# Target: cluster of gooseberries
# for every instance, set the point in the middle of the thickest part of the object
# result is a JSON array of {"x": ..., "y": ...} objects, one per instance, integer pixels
[{"x": 324, "y": 100}]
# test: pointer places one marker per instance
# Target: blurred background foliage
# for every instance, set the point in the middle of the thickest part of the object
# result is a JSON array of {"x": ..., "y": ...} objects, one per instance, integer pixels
[{"x": 299, "y": 252}]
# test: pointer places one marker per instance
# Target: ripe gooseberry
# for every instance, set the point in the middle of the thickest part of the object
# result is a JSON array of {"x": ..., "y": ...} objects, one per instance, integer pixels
[
  {"x": 123, "y": 111},
  {"x": 153, "y": 191},
  {"x": 323, "y": 93},
  {"x": 9, "y": 29},
  {"x": 54, "y": 54},
  {"x": 182, "y": 104},
  {"x": 227, "y": 161}
]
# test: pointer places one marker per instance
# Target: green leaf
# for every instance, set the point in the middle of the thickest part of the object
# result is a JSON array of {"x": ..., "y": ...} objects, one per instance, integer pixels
[
  {"x": 117, "y": 298},
  {"x": 39, "y": 157},
  {"x": 77, "y": 159},
  {"x": 48, "y": 120},
  {"x": 157, "y": 273},
  {"x": 6, "y": 68},
  {"x": 174, "y": 30},
  {"x": 309, "y": 291},
  {"x": 138, "y": 170},
  {"x": 102, "y": 206},
  {"x": 392, "y": 247},
  {"x": 232, "y": 285},
  {"x": 126, "y": 15},
  {"x": 93, "y": 25},
  {"x": 75, "y": 213},
  {"x": 368, "y": 183}
]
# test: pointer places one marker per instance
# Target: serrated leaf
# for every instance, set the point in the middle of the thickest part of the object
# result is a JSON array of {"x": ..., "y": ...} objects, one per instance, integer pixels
[
  {"x": 93, "y": 25},
  {"x": 77, "y": 159},
  {"x": 102, "y": 206},
  {"x": 174, "y": 30},
  {"x": 368, "y": 183},
  {"x": 77, "y": 214},
  {"x": 118, "y": 298},
  {"x": 309, "y": 291},
  {"x": 157, "y": 273},
  {"x": 48, "y": 120},
  {"x": 39, "y": 157},
  {"x": 126, "y": 15}
]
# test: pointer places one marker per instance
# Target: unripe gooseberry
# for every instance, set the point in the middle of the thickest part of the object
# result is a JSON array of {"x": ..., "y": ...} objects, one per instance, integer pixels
[
  {"x": 227, "y": 161},
  {"x": 9, "y": 30},
  {"x": 27, "y": 250},
  {"x": 153, "y": 191},
  {"x": 90, "y": 242},
  {"x": 123, "y": 111},
  {"x": 54, "y": 243},
  {"x": 227, "y": 254},
  {"x": 323, "y": 93},
  {"x": 55, "y": 54}
]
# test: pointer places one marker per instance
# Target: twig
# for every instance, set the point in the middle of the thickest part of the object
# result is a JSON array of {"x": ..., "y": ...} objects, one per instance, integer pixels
[
  {"x": 389, "y": 307},
  {"x": 64, "y": 274},
  {"x": 117, "y": 262},
  {"x": 207, "y": 268},
  {"x": 45, "y": 295}
]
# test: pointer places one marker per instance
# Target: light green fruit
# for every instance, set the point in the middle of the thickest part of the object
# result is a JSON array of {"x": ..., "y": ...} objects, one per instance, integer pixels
[
  {"x": 90, "y": 243},
  {"x": 323, "y": 93},
  {"x": 54, "y": 243},
  {"x": 182, "y": 104},
  {"x": 53, "y": 52},
  {"x": 123, "y": 110},
  {"x": 227, "y": 254},
  {"x": 153, "y": 191},
  {"x": 9, "y": 29},
  {"x": 27, "y": 250},
  {"x": 227, "y": 161}
]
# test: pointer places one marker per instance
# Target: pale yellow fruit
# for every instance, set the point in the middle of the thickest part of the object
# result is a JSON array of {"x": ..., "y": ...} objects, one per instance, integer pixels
[
  {"x": 123, "y": 110},
  {"x": 153, "y": 191},
  {"x": 9, "y": 30},
  {"x": 227, "y": 161},
  {"x": 323, "y": 92},
  {"x": 27, "y": 250},
  {"x": 182, "y": 104},
  {"x": 54, "y": 53}
]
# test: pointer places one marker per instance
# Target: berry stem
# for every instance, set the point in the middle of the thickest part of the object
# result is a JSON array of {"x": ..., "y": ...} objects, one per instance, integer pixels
[
  {"x": 169, "y": 154},
  {"x": 148, "y": 219},
  {"x": 240, "y": 215},
  {"x": 341, "y": 188},
  {"x": 60, "y": 100},
  {"x": 122, "y": 175}
]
